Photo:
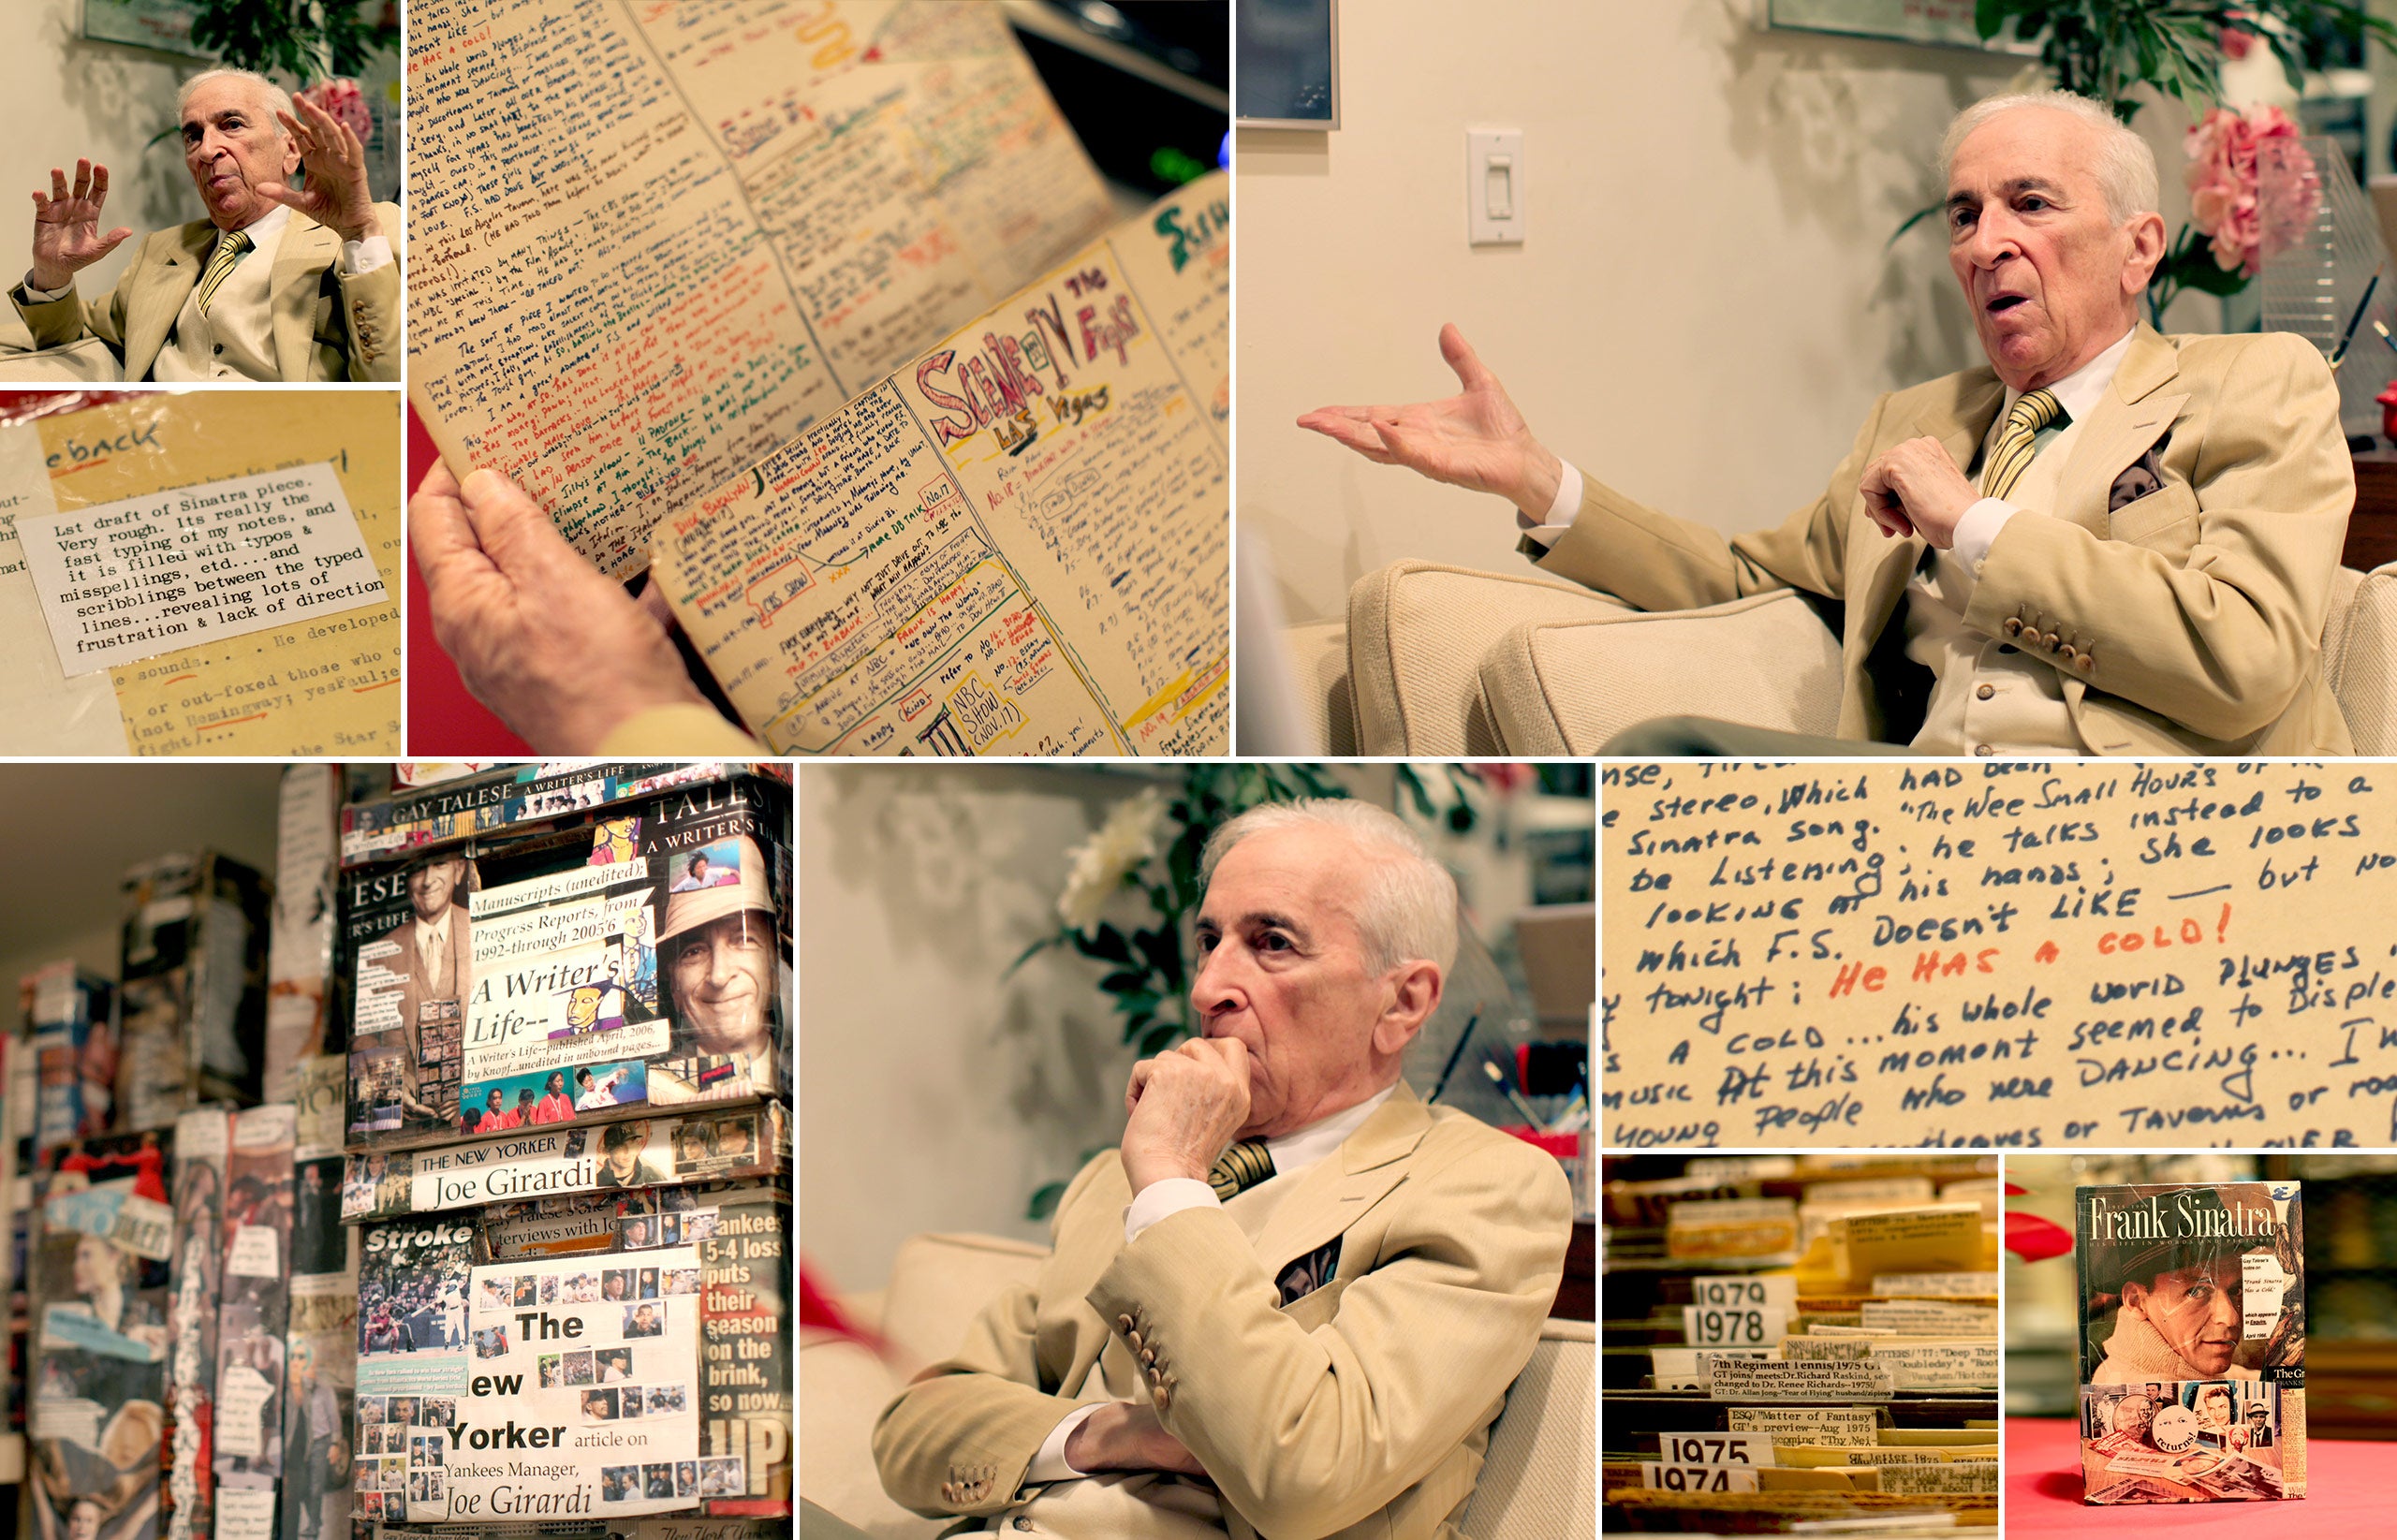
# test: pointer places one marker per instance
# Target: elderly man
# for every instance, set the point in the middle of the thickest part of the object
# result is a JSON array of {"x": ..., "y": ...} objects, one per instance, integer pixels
[
  {"x": 1291, "y": 1302},
  {"x": 2039, "y": 605},
  {"x": 278, "y": 283},
  {"x": 434, "y": 963}
]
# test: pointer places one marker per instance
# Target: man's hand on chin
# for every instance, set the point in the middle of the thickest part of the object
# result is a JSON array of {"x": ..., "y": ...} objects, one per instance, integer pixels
[
  {"x": 1187, "y": 1106},
  {"x": 1917, "y": 488},
  {"x": 1123, "y": 1436}
]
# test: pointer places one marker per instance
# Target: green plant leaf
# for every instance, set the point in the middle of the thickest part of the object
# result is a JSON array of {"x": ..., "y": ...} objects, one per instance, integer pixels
[
  {"x": 1044, "y": 1199},
  {"x": 1159, "y": 1038},
  {"x": 1107, "y": 946},
  {"x": 1124, "y": 978},
  {"x": 1915, "y": 218},
  {"x": 1029, "y": 952}
]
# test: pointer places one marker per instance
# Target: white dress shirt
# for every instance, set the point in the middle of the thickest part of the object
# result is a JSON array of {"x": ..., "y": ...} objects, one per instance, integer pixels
[{"x": 1292, "y": 1154}]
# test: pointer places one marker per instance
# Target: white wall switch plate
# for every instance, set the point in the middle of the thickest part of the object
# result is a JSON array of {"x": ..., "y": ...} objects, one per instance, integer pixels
[{"x": 1493, "y": 193}]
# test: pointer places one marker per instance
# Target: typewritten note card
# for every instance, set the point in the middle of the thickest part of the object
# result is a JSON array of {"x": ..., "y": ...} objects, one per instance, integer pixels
[
  {"x": 2090, "y": 953},
  {"x": 131, "y": 580}
]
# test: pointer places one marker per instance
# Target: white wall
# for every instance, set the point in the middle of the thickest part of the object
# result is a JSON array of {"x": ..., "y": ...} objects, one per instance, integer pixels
[
  {"x": 1701, "y": 314},
  {"x": 932, "y": 1096},
  {"x": 103, "y": 101}
]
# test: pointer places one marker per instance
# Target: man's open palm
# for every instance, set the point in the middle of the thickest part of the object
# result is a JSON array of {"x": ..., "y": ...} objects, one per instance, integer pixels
[
  {"x": 1474, "y": 439},
  {"x": 67, "y": 225}
]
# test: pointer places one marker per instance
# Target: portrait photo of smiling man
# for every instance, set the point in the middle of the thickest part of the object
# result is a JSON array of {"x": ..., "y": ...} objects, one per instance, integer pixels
[{"x": 293, "y": 274}]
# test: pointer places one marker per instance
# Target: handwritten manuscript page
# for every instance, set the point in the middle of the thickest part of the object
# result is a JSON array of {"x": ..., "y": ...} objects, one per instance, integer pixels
[
  {"x": 652, "y": 240},
  {"x": 2005, "y": 953},
  {"x": 1018, "y": 545},
  {"x": 324, "y": 682}
]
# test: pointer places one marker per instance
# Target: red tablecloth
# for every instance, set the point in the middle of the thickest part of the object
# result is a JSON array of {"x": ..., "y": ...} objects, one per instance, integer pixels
[
  {"x": 444, "y": 721},
  {"x": 2351, "y": 1490}
]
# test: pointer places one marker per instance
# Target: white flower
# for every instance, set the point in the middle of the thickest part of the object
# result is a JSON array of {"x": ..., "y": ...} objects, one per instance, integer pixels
[{"x": 1125, "y": 842}]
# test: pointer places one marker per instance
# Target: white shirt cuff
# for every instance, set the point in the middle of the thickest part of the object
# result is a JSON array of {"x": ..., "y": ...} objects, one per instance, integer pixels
[
  {"x": 1161, "y": 1199},
  {"x": 43, "y": 297},
  {"x": 1977, "y": 530},
  {"x": 360, "y": 257},
  {"x": 1561, "y": 511},
  {"x": 1050, "y": 1464}
]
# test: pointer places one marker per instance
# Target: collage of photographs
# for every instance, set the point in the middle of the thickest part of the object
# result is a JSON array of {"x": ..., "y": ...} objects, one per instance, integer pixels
[{"x": 535, "y": 1064}]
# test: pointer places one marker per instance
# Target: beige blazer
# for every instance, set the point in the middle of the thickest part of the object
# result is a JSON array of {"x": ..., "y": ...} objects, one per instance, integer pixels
[
  {"x": 2187, "y": 623},
  {"x": 1362, "y": 1408},
  {"x": 326, "y": 327}
]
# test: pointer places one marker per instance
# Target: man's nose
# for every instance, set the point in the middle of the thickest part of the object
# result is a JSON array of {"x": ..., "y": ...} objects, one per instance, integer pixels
[{"x": 1214, "y": 989}]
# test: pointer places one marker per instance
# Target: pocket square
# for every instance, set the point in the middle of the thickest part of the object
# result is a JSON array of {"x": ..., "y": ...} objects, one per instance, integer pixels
[
  {"x": 2141, "y": 477},
  {"x": 1299, "y": 1278}
]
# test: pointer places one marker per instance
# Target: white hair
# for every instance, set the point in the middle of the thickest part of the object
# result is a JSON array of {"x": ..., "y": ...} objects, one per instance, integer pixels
[
  {"x": 1408, "y": 911},
  {"x": 278, "y": 99},
  {"x": 2125, "y": 164}
]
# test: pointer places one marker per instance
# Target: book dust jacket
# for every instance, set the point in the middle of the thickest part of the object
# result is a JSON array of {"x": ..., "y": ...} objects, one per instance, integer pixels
[{"x": 2192, "y": 1343}]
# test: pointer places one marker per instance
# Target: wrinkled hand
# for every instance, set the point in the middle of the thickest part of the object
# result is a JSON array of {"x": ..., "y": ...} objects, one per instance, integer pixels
[
  {"x": 1123, "y": 1436},
  {"x": 67, "y": 225},
  {"x": 1474, "y": 439},
  {"x": 1915, "y": 489},
  {"x": 1185, "y": 1106},
  {"x": 539, "y": 635},
  {"x": 336, "y": 196}
]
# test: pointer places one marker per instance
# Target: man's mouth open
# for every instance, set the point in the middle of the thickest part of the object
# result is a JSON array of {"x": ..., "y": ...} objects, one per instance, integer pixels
[{"x": 2000, "y": 303}]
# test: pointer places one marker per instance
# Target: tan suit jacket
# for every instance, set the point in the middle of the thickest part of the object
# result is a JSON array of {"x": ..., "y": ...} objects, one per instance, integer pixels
[
  {"x": 1359, "y": 1409},
  {"x": 2193, "y": 616},
  {"x": 326, "y": 327}
]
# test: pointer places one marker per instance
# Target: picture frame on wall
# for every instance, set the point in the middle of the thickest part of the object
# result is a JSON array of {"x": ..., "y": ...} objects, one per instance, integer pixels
[
  {"x": 1288, "y": 64},
  {"x": 1939, "y": 24},
  {"x": 161, "y": 24}
]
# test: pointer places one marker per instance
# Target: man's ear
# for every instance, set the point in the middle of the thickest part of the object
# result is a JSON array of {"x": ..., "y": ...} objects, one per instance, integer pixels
[
  {"x": 2135, "y": 1297},
  {"x": 1415, "y": 994},
  {"x": 2146, "y": 254}
]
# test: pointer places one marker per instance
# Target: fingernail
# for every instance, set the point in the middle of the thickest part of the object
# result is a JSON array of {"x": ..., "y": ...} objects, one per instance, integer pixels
[{"x": 466, "y": 488}]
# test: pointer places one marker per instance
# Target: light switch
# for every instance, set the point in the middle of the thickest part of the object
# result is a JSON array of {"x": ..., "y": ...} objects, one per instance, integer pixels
[{"x": 1494, "y": 186}]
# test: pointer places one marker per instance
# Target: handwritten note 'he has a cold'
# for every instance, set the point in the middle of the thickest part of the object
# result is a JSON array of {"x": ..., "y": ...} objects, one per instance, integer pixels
[
  {"x": 123, "y": 581},
  {"x": 2096, "y": 953}
]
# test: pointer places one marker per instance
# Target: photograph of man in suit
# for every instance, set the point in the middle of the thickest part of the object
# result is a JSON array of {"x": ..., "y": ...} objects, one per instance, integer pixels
[
  {"x": 1292, "y": 1300},
  {"x": 435, "y": 965},
  {"x": 292, "y": 276},
  {"x": 1999, "y": 597}
]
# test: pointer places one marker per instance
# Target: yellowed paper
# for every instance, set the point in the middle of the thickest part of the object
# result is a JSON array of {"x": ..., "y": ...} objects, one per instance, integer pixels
[
  {"x": 2093, "y": 953},
  {"x": 325, "y": 685},
  {"x": 655, "y": 239},
  {"x": 1018, "y": 545}
]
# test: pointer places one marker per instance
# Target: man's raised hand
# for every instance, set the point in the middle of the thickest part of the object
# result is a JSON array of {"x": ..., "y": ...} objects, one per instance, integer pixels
[
  {"x": 336, "y": 196},
  {"x": 66, "y": 226},
  {"x": 1474, "y": 439},
  {"x": 1187, "y": 1106}
]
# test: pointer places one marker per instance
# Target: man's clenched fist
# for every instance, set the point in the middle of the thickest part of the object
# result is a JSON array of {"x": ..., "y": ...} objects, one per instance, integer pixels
[{"x": 1187, "y": 1106}]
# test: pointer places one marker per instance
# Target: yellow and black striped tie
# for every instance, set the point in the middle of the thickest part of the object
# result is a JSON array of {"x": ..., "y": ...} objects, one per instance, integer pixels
[
  {"x": 229, "y": 248},
  {"x": 1238, "y": 1168},
  {"x": 2012, "y": 456}
]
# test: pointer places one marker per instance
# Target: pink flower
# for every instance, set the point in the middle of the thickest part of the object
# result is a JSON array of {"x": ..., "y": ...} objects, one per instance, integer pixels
[
  {"x": 344, "y": 100},
  {"x": 2222, "y": 149}
]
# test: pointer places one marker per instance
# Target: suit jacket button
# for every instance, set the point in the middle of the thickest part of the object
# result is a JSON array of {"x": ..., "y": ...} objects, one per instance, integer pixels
[
  {"x": 1132, "y": 1341},
  {"x": 1123, "y": 1323},
  {"x": 1022, "y": 1523},
  {"x": 2067, "y": 652},
  {"x": 2050, "y": 641},
  {"x": 1983, "y": 749},
  {"x": 2087, "y": 663},
  {"x": 1986, "y": 691},
  {"x": 1162, "y": 1397},
  {"x": 1148, "y": 1354},
  {"x": 2014, "y": 627}
]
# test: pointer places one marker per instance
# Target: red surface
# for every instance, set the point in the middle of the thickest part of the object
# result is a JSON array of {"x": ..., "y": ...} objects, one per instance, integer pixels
[
  {"x": 444, "y": 722},
  {"x": 25, "y": 406},
  {"x": 2350, "y": 1486}
]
